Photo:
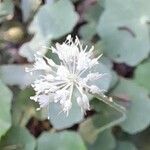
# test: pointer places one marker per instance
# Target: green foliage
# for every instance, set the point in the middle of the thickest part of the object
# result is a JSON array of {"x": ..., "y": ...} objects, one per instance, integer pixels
[
  {"x": 106, "y": 117},
  {"x": 19, "y": 139},
  {"x": 51, "y": 22},
  {"x": 118, "y": 29},
  {"x": 102, "y": 141},
  {"x": 125, "y": 146},
  {"x": 20, "y": 78},
  {"x": 105, "y": 81},
  {"x": 91, "y": 16},
  {"x": 65, "y": 140},
  {"x": 25, "y": 108},
  {"x": 59, "y": 120},
  {"x": 125, "y": 32},
  {"x": 142, "y": 75},
  {"x": 5, "y": 103},
  {"x": 6, "y": 10},
  {"x": 29, "y": 7},
  {"x": 48, "y": 21},
  {"x": 139, "y": 105}
]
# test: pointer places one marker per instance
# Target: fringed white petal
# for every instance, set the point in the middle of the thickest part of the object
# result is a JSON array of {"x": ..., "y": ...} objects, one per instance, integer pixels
[{"x": 59, "y": 81}]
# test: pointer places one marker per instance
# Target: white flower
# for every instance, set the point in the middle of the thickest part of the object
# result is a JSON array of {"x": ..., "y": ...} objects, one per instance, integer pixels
[{"x": 58, "y": 82}]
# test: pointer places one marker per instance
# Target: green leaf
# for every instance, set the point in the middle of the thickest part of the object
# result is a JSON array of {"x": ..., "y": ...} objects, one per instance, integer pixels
[
  {"x": 59, "y": 119},
  {"x": 5, "y": 116},
  {"x": 104, "y": 82},
  {"x": 114, "y": 80},
  {"x": 23, "y": 108},
  {"x": 63, "y": 140},
  {"x": 29, "y": 7},
  {"x": 109, "y": 114},
  {"x": 75, "y": 0},
  {"x": 102, "y": 141},
  {"x": 37, "y": 43},
  {"x": 91, "y": 16},
  {"x": 52, "y": 21},
  {"x": 6, "y": 9},
  {"x": 124, "y": 31},
  {"x": 16, "y": 75},
  {"x": 108, "y": 64},
  {"x": 142, "y": 140},
  {"x": 88, "y": 31},
  {"x": 138, "y": 105},
  {"x": 93, "y": 12},
  {"x": 142, "y": 75},
  {"x": 48, "y": 21},
  {"x": 17, "y": 139},
  {"x": 125, "y": 146}
]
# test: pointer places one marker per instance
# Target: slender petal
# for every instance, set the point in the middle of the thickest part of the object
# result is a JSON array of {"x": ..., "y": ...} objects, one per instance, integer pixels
[{"x": 58, "y": 82}]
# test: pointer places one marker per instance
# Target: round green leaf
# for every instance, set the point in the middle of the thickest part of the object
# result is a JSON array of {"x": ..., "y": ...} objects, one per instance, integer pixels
[
  {"x": 60, "y": 141},
  {"x": 125, "y": 146},
  {"x": 17, "y": 139},
  {"x": 59, "y": 119},
  {"x": 91, "y": 16},
  {"x": 124, "y": 31},
  {"x": 102, "y": 141},
  {"x": 48, "y": 21},
  {"x": 142, "y": 75},
  {"x": 93, "y": 12},
  {"x": 104, "y": 82},
  {"x": 20, "y": 77},
  {"x": 138, "y": 105},
  {"x": 37, "y": 43},
  {"x": 88, "y": 31},
  {"x": 5, "y": 102},
  {"x": 51, "y": 22}
]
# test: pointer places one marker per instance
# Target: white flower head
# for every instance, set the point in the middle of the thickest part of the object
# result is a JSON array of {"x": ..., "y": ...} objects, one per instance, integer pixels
[{"x": 74, "y": 72}]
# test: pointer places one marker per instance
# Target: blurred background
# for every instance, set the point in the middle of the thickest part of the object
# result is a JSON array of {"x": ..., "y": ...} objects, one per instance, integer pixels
[{"x": 120, "y": 30}]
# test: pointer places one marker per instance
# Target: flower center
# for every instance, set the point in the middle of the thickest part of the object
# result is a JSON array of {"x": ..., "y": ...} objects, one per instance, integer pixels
[{"x": 72, "y": 78}]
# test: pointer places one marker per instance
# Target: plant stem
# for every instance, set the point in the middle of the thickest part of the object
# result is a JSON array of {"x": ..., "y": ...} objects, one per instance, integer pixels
[{"x": 109, "y": 101}]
